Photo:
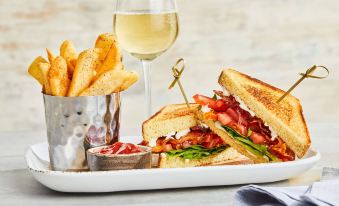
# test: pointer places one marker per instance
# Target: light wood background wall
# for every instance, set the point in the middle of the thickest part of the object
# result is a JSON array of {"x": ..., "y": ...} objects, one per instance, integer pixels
[{"x": 272, "y": 40}]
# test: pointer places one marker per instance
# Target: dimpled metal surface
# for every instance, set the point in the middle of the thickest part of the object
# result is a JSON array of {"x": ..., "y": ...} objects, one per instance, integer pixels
[{"x": 75, "y": 124}]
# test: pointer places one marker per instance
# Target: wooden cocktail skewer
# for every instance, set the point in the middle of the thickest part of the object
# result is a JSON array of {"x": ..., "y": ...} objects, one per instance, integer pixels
[
  {"x": 307, "y": 74},
  {"x": 177, "y": 74}
]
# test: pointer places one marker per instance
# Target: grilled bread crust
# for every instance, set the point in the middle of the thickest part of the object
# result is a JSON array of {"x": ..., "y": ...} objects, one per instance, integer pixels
[
  {"x": 286, "y": 117},
  {"x": 227, "y": 157},
  {"x": 230, "y": 140},
  {"x": 171, "y": 118}
]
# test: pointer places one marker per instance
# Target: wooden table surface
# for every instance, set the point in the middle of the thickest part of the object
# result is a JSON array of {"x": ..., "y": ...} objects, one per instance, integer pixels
[{"x": 18, "y": 187}]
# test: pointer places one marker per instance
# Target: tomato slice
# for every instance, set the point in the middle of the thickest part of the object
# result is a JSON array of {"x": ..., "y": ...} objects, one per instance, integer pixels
[
  {"x": 257, "y": 138},
  {"x": 224, "y": 118},
  {"x": 202, "y": 100},
  {"x": 233, "y": 114},
  {"x": 168, "y": 147},
  {"x": 218, "y": 105},
  {"x": 242, "y": 130}
]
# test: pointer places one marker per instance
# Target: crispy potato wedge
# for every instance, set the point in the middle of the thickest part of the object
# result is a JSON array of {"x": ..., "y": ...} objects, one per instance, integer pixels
[
  {"x": 74, "y": 63},
  {"x": 44, "y": 69},
  {"x": 84, "y": 71},
  {"x": 58, "y": 77},
  {"x": 111, "y": 53},
  {"x": 34, "y": 70},
  {"x": 50, "y": 55},
  {"x": 129, "y": 81},
  {"x": 104, "y": 42},
  {"x": 68, "y": 52},
  {"x": 111, "y": 81}
]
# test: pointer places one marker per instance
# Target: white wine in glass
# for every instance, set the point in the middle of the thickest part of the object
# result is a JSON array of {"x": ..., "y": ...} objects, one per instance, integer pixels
[{"x": 146, "y": 29}]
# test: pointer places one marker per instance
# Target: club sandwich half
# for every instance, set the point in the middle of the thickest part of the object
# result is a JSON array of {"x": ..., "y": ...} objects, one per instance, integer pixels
[
  {"x": 178, "y": 139},
  {"x": 247, "y": 116}
]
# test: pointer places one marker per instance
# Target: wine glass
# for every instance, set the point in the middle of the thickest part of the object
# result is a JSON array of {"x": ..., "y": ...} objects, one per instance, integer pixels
[{"x": 146, "y": 29}]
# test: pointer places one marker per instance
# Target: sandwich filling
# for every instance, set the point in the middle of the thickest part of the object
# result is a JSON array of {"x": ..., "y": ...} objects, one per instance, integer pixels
[
  {"x": 242, "y": 125},
  {"x": 198, "y": 143}
]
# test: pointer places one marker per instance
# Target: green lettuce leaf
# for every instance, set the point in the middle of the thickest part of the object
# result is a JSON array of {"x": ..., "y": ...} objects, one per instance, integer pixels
[
  {"x": 195, "y": 152},
  {"x": 215, "y": 97},
  {"x": 257, "y": 149}
]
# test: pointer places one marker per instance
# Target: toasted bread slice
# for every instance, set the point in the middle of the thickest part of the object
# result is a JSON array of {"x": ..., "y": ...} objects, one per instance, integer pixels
[
  {"x": 285, "y": 118},
  {"x": 230, "y": 140},
  {"x": 227, "y": 157},
  {"x": 171, "y": 118}
]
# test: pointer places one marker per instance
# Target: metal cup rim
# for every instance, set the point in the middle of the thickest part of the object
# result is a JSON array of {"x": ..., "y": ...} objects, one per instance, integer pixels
[{"x": 78, "y": 97}]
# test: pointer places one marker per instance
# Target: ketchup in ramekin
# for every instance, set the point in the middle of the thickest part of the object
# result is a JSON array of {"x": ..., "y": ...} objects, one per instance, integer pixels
[
  {"x": 121, "y": 148},
  {"x": 119, "y": 156}
]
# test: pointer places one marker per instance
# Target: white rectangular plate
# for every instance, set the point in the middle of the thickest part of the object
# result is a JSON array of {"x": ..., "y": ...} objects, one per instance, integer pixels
[{"x": 145, "y": 179}]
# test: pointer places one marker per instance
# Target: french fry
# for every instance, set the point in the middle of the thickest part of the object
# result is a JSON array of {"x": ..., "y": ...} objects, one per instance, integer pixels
[
  {"x": 68, "y": 52},
  {"x": 84, "y": 72},
  {"x": 50, "y": 55},
  {"x": 34, "y": 70},
  {"x": 58, "y": 77},
  {"x": 44, "y": 69},
  {"x": 111, "y": 53},
  {"x": 110, "y": 82}
]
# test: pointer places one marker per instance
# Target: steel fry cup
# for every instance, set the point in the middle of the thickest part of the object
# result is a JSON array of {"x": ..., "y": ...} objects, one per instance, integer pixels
[{"x": 75, "y": 124}]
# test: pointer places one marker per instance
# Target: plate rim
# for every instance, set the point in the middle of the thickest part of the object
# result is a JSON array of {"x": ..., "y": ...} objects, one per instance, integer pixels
[{"x": 314, "y": 158}]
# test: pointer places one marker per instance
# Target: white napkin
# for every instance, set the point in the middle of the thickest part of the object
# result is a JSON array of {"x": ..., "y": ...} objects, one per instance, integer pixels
[{"x": 325, "y": 192}]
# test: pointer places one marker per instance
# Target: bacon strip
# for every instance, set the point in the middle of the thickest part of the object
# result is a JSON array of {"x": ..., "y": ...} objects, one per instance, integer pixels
[{"x": 197, "y": 136}]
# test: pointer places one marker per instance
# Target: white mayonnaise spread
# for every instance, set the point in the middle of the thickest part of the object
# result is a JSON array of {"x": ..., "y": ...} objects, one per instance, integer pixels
[
  {"x": 273, "y": 133},
  {"x": 203, "y": 125},
  {"x": 171, "y": 134},
  {"x": 243, "y": 106},
  {"x": 182, "y": 133},
  {"x": 177, "y": 135},
  {"x": 226, "y": 92},
  {"x": 205, "y": 109}
]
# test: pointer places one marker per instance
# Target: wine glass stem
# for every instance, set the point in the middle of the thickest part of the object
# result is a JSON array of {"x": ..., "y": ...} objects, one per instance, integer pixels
[{"x": 146, "y": 65}]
